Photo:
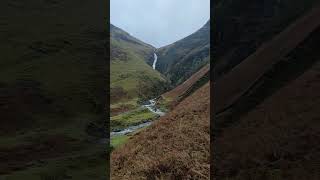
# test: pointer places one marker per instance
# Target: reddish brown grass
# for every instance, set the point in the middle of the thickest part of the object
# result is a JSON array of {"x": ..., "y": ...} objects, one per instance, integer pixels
[
  {"x": 279, "y": 139},
  {"x": 182, "y": 88},
  {"x": 120, "y": 109},
  {"x": 177, "y": 146}
]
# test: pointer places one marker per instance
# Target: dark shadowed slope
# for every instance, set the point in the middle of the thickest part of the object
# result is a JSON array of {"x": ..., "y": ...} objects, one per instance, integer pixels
[
  {"x": 242, "y": 26},
  {"x": 278, "y": 139},
  {"x": 174, "y": 147},
  {"x": 52, "y": 89},
  {"x": 238, "y": 81},
  {"x": 271, "y": 131},
  {"x": 178, "y": 61}
]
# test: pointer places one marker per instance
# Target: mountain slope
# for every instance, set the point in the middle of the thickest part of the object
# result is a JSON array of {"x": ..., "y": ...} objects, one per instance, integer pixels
[
  {"x": 181, "y": 136},
  {"x": 178, "y": 61},
  {"x": 171, "y": 98},
  {"x": 174, "y": 147},
  {"x": 52, "y": 89},
  {"x": 278, "y": 139},
  {"x": 131, "y": 76},
  {"x": 125, "y": 39},
  {"x": 269, "y": 132},
  {"x": 240, "y": 27},
  {"x": 242, "y": 77}
]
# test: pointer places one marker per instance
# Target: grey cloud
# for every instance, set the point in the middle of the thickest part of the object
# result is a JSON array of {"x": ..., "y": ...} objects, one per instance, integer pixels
[{"x": 160, "y": 22}]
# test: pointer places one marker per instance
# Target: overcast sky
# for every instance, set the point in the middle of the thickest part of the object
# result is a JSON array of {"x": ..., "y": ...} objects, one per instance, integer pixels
[{"x": 159, "y": 22}]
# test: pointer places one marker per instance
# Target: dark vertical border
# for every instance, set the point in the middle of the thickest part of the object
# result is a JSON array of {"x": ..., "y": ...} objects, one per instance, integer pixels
[
  {"x": 107, "y": 58},
  {"x": 212, "y": 94}
]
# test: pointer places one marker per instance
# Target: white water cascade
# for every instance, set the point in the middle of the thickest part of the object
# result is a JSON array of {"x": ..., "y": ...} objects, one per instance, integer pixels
[
  {"x": 154, "y": 61},
  {"x": 151, "y": 106}
]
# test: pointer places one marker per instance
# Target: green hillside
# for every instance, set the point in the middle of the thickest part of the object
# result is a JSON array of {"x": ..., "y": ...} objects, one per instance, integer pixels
[
  {"x": 131, "y": 76},
  {"x": 52, "y": 89},
  {"x": 132, "y": 82},
  {"x": 178, "y": 61}
]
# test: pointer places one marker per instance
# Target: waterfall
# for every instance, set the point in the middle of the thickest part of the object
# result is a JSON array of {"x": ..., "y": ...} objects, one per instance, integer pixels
[{"x": 154, "y": 61}]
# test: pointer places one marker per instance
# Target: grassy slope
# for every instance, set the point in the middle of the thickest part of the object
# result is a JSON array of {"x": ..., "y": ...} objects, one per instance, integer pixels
[
  {"x": 270, "y": 132},
  {"x": 240, "y": 79},
  {"x": 176, "y": 146},
  {"x": 243, "y": 26},
  {"x": 52, "y": 76},
  {"x": 131, "y": 118},
  {"x": 178, "y": 61},
  {"x": 132, "y": 80},
  {"x": 131, "y": 76},
  {"x": 278, "y": 139},
  {"x": 118, "y": 140},
  {"x": 174, "y": 96}
]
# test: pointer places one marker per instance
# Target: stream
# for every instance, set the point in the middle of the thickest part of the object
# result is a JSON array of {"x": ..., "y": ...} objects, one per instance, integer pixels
[{"x": 151, "y": 106}]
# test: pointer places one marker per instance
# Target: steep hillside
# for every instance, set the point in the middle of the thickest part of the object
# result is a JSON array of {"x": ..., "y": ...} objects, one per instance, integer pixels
[
  {"x": 270, "y": 131},
  {"x": 240, "y": 27},
  {"x": 140, "y": 48},
  {"x": 131, "y": 76},
  {"x": 133, "y": 82},
  {"x": 241, "y": 78},
  {"x": 52, "y": 89},
  {"x": 171, "y": 98},
  {"x": 174, "y": 147},
  {"x": 173, "y": 143},
  {"x": 178, "y": 61},
  {"x": 278, "y": 139}
]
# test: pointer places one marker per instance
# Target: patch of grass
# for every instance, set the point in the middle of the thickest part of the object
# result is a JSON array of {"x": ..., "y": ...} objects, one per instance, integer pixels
[
  {"x": 123, "y": 106},
  {"x": 116, "y": 141},
  {"x": 164, "y": 103},
  {"x": 131, "y": 118},
  {"x": 127, "y": 74},
  {"x": 131, "y": 102}
]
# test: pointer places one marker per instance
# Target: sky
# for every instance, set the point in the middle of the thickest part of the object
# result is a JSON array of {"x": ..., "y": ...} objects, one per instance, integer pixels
[{"x": 159, "y": 22}]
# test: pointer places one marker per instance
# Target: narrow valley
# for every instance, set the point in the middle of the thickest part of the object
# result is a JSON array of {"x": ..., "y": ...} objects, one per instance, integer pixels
[
  {"x": 160, "y": 109},
  {"x": 124, "y": 133}
]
